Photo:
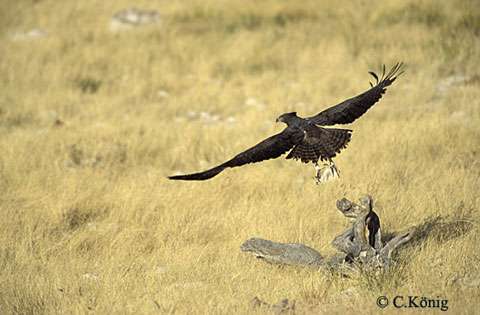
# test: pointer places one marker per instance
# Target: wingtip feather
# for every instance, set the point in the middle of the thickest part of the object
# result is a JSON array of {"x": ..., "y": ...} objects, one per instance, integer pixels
[
  {"x": 374, "y": 75},
  {"x": 388, "y": 78}
]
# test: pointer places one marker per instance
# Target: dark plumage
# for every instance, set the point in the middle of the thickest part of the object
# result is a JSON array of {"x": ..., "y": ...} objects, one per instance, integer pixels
[{"x": 305, "y": 137}]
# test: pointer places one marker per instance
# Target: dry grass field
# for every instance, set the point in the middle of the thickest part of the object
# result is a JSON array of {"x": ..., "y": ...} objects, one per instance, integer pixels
[{"x": 93, "y": 120}]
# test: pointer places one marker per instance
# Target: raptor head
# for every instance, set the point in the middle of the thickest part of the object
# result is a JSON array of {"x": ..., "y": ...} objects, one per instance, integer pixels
[{"x": 287, "y": 117}]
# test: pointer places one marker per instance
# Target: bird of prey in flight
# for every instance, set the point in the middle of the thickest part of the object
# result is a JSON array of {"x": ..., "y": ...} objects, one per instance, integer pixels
[{"x": 306, "y": 139}]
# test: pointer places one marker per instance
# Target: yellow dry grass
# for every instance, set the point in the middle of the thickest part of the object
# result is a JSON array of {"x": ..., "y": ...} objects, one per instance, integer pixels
[{"x": 89, "y": 223}]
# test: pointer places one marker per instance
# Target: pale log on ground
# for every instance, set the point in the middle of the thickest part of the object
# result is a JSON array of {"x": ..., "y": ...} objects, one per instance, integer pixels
[{"x": 361, "y": 244}]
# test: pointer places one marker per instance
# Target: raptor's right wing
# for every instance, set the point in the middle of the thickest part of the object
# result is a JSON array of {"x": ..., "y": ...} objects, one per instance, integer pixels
[{"x": 351, "y": 109}]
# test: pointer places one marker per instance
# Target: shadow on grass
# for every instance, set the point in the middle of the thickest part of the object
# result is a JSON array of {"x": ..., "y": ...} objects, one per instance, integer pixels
[{"x": 438, "y": 228}]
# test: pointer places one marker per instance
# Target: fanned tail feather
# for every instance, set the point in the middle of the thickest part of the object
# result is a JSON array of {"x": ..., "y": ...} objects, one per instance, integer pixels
[{"x": 329, "y": 143}]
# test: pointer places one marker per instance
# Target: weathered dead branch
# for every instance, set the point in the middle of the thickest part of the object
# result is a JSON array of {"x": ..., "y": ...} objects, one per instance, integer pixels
[{"x": 360, "y": 245}]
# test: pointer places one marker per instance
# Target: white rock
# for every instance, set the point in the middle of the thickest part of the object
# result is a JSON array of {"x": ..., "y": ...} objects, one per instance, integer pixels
[
  {"x": 251, "y": 101},
  {"x": 29, "y": 35},
  {"x": 163, "y": 94},
  {"x": 231, "y": 120},
  {"x": 133, "y": 17},
  {"x": 191, "y": 114}
]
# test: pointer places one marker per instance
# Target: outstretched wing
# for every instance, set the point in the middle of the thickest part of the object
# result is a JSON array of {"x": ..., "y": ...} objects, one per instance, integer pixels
[
  {"x": 349, "y": 110},
  {"x": 269, "y": 148}
]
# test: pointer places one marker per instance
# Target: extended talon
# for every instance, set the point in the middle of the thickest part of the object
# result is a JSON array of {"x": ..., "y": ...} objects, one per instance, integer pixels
[
  {"x": 317, "y": 174},
  {"x": 326, "y": 172}
]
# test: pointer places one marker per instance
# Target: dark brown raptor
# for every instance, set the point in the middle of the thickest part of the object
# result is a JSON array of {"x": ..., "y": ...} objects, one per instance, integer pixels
[{"x": 307, "y": 140}]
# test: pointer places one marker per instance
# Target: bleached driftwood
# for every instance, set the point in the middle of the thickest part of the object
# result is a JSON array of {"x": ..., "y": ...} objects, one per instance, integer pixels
[
  {"x": 286, "y": 254},
  {"x": 360, "y": 245}
]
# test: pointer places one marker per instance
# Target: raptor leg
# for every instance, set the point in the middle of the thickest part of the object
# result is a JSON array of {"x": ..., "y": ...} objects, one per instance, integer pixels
[
  {"x": 317, "y": 173},
  {"x": 334, "y": 168},
  {"x": 326, "y": 172}
]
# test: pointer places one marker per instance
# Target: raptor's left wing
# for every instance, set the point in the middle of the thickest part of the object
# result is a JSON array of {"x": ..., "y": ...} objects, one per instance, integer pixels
[{"x": 269, "y": 148}]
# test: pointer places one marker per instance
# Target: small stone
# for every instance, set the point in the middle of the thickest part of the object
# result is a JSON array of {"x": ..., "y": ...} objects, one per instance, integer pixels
[
  {"x": 163, "y": 94},
  {"x": 251, "y": 101},
  {"x": 29, "y": 35},
  {"x": 133, "y": 17},
  {"x": 230, "y": 120}
]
